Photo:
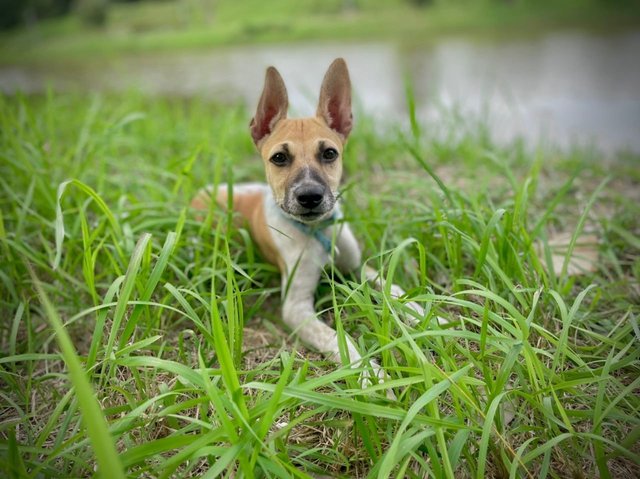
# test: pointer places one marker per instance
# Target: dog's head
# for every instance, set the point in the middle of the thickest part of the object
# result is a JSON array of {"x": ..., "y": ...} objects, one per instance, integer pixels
[{"x": 303, "y": 157}]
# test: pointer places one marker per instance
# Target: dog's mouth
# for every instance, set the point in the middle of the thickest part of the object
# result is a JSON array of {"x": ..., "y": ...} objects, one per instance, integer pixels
[
  {"x": 316, "y": 214},
  {"x": 311, "y": 216}
]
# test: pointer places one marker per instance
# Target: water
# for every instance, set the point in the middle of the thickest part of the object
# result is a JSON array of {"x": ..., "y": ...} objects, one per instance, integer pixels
[{"x": 565, "y": 88}]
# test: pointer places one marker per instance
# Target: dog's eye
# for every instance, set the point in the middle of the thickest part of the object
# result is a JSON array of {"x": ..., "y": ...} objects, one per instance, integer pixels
[
  {"x": 329, "y": 154},
  {"x": 279, "y": 159}
]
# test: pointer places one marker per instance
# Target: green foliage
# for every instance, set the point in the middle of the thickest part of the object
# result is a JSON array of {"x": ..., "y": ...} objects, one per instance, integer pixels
[
  {"x": 145, "y": 331},
  {"x": 150, "y": 26},
  {"x": 93, "y": 12},
  {"x": 14, "y": 13}
]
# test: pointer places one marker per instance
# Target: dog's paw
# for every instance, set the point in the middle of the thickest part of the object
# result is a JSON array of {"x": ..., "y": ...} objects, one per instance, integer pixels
[
  {"x": 415, "y": 307},
  {"x": 367, "y": 379},
  {"x": 397, "y": 292},
  {"x": 412, "y": 320}
]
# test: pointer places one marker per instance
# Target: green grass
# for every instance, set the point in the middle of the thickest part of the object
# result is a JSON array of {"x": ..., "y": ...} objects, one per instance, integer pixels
[
  {"x": 130, "y": 327},
  {"x": 144, "y": 27}
]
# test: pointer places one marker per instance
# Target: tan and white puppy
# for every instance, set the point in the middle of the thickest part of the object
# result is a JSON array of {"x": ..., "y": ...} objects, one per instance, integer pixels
[{"x": 293, "y": 217}]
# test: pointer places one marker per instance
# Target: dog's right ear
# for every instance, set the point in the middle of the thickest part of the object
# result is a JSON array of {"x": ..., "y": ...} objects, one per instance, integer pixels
[{"x": 272, "y": 106}]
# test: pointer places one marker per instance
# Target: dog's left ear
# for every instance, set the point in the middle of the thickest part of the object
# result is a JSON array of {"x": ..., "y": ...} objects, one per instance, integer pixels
[{"x": 335, "y": 98}]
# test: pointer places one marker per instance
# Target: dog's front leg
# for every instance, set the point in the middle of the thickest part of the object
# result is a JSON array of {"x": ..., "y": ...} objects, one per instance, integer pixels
[
  {"x": 395, "y": 291},
  {"x": 348, "y": 259},
  {"x": 299, "y": 314}
]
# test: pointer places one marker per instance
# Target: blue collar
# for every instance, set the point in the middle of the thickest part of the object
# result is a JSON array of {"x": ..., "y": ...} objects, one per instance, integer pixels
[{"x": 317, "y": 229}]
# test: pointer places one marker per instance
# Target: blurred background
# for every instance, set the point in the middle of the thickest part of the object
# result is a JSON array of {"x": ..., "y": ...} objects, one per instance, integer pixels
[{"x": 565, "y": 72}]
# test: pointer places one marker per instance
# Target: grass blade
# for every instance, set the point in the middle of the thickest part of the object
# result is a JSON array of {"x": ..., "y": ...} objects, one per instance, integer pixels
[{"x": 109, "y": 464}]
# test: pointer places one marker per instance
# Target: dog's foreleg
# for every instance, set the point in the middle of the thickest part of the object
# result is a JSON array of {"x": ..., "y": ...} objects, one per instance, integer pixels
[
  {"x": 299, "y": 314},
  {"x": 348, "y": 259},
  {"x": 347, "y": 254},
  {"x": 396, "y": 292}
]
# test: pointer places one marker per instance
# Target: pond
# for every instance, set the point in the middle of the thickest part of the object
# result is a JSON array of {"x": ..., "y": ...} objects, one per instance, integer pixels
[{"x": 566, "y": 88}]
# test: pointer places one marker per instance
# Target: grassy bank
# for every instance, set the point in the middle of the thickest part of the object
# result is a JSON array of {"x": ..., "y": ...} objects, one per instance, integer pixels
[
  {"x": 122, "y": 335},
  {"x": 187, "y": 24}
]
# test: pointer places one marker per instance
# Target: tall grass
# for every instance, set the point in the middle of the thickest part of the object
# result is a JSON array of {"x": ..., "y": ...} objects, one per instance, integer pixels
[{"x": 139, "y": 341}]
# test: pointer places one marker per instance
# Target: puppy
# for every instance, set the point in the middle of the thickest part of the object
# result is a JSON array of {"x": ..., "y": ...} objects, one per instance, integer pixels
[{"x": 295, "y": 218}]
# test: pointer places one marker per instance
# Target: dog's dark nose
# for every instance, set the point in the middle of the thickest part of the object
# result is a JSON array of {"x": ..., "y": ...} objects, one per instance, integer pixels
[{"x": 310, "y": 196}]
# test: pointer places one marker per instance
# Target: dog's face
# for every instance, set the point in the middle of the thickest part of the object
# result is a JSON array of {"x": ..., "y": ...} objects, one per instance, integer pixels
[{"x": 303, "y": 157}]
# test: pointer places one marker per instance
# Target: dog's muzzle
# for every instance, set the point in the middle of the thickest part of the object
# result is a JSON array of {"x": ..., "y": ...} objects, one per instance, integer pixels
[{"x": 309, "y": 202}]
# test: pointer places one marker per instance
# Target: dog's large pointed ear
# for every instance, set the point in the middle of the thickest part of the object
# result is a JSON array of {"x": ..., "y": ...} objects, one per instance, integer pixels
[
  {"x": 272, "y": 106},
  {"x": 335, "y": 98}
]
